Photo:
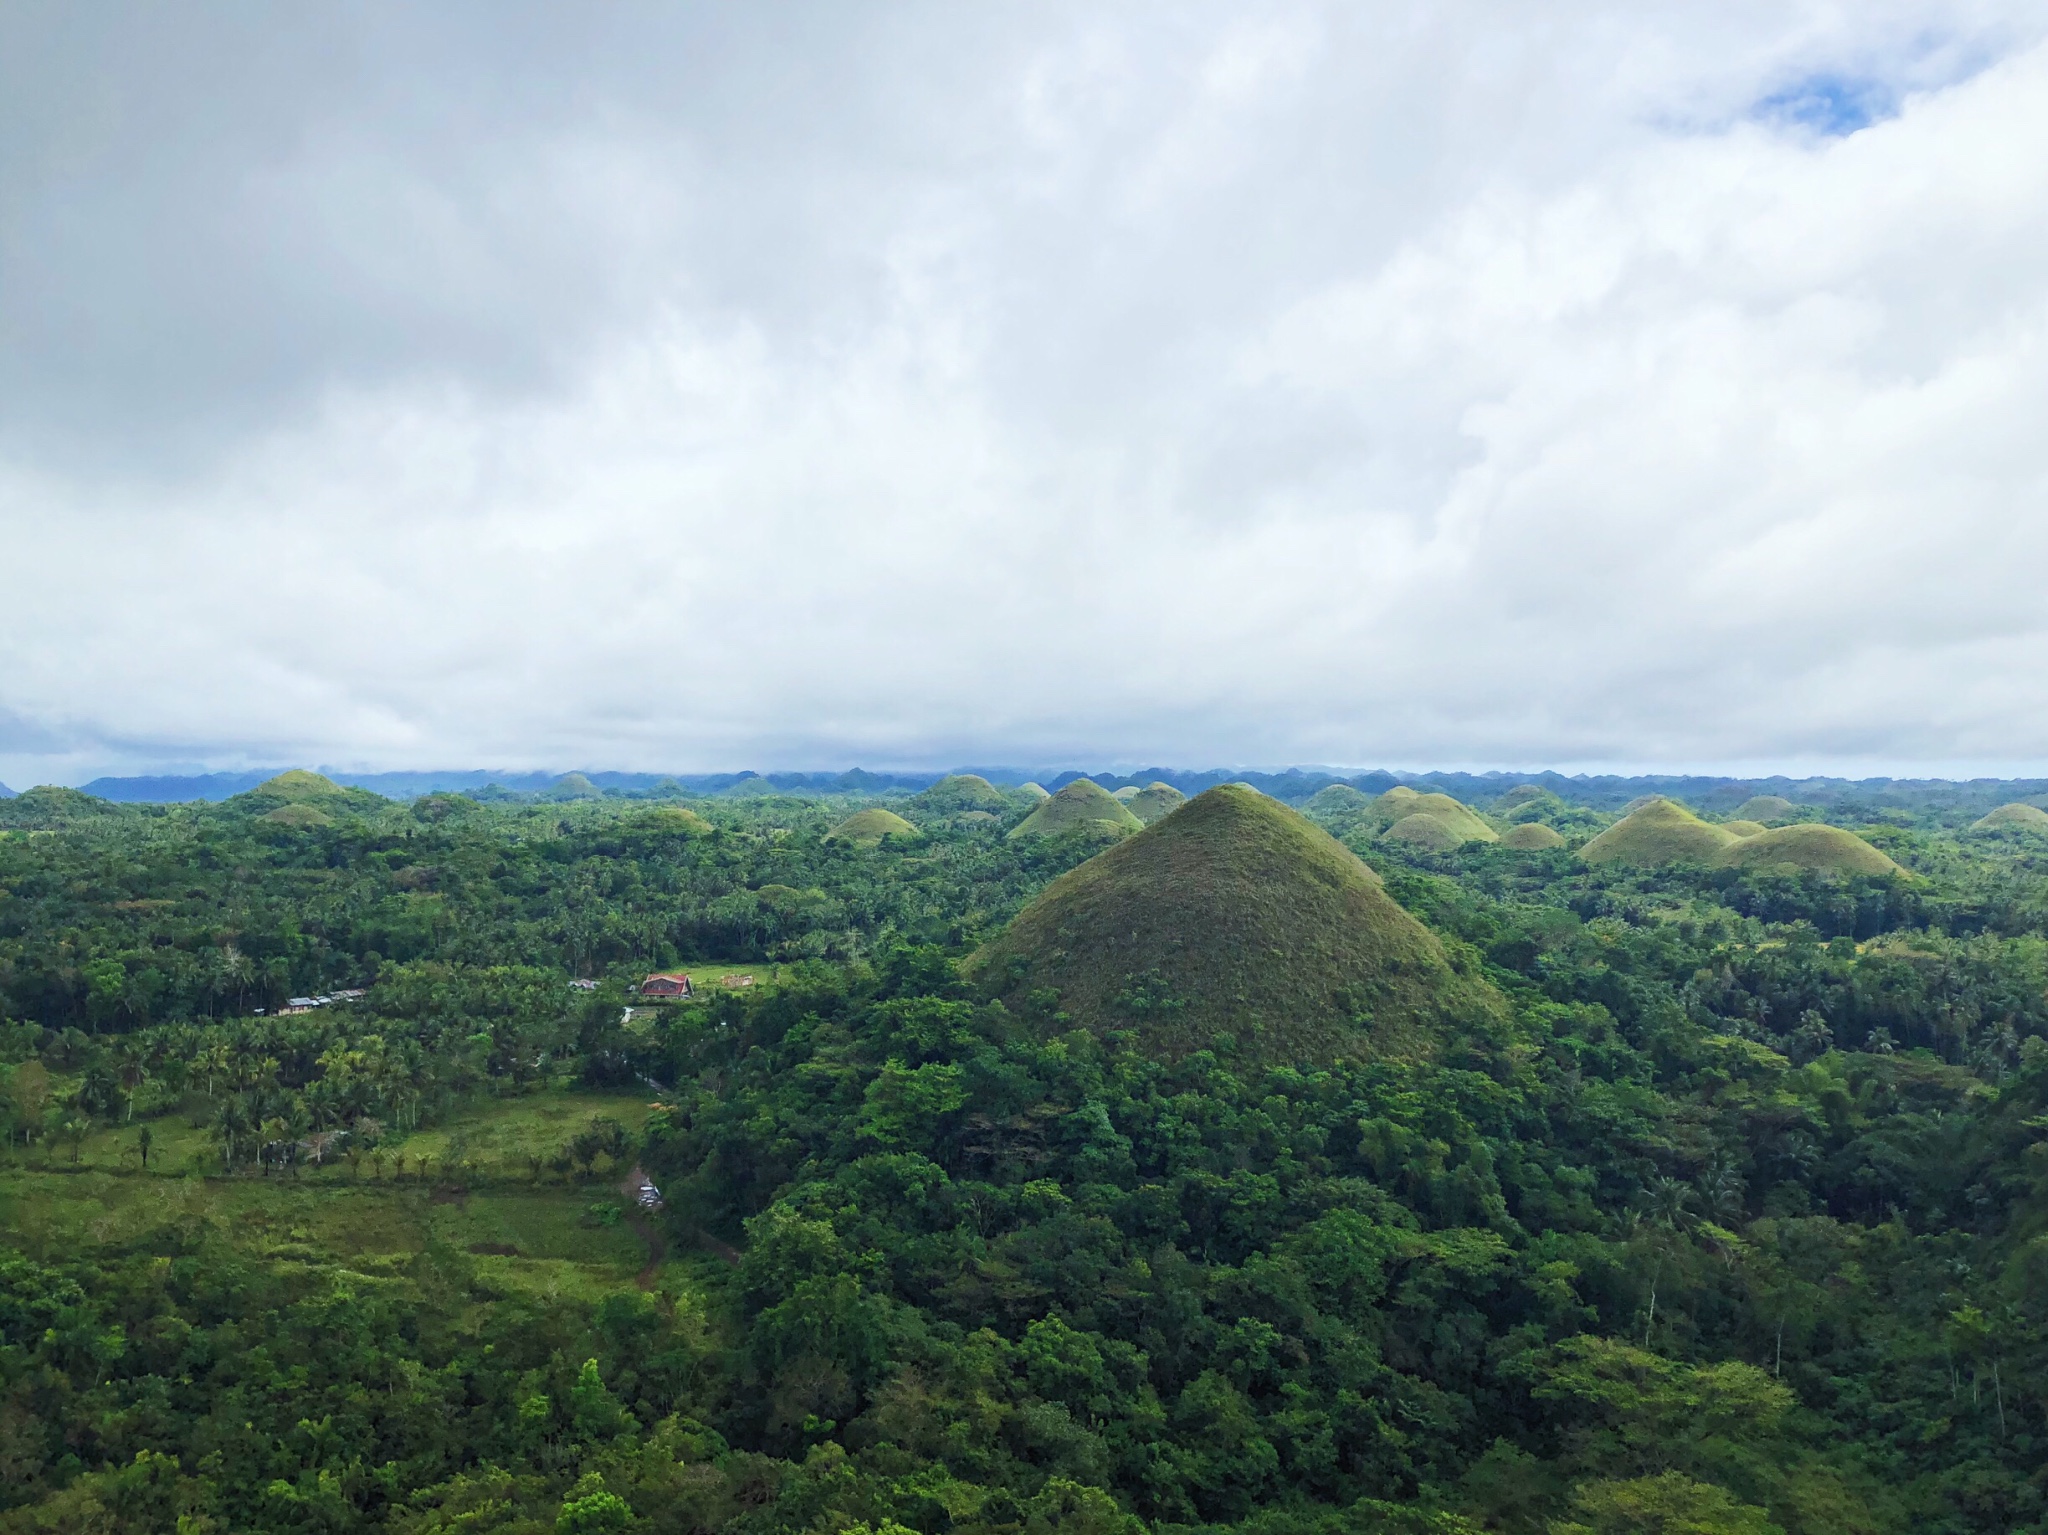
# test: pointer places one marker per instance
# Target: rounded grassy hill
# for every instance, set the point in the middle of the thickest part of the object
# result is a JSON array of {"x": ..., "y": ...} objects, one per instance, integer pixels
[
  {"x": 1082, "y": 805},
  {"x": 1034, "y": 792},
  {"x": 1154, "y": 801},
  {"x": 867, "y": 828},
  {"x": 1828, "y": 849},
  {"x": 1521, "y": 794},
  {"x": 957, "y": 794},
  {"x": 2014, "y": 817},
  {"x": 1236, "y": 916},
  {"x": 1655, "y": 833},
  {"x": 1530, "y": 837},
  {"x": 1764, "y": 807},
  {"x": 1459, "y": 819},
  {"x": 298, "y": 784},
  {"x": 1337, "y": 799},
  {"x": 1742, "y": 828}
]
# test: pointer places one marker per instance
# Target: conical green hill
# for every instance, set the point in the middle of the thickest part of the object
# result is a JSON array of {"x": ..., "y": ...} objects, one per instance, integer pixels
[
  {"x": 1742, "y": 828},
  {"x": 1521, "y": 794},
  {"x": 1530, "y": 837},
  {"x": 1764, "y": 807},
  {"x": 1124, "y": 795},
  {"x": 1458, "y": 818},
  {"x": 1080, "y": 803},
  {"x": 1155, "y": 800},
  {"x": 866, "y": 828},
  {"x": 1337, "y": 799},
  {"x": 958, "y": 794},
  {"x": 1657, "y": 832},
  {"x": 574, "y": 786},
  {"x": 1826, "y": 848},
  {"x": 749, "y": 787},
  {"x": 1236, "y": 916},
  {"x": 1034, "y": 792},
  {"x": 1425, "y": 831},
  {"x": 2017, "y": 817},
  {"x": 298, "y": 784}
]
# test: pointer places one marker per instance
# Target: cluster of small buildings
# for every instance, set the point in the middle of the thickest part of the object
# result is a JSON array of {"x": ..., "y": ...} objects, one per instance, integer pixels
[
  {"x": 326, "y": 999},
  {"x": 670, "y": 985}
]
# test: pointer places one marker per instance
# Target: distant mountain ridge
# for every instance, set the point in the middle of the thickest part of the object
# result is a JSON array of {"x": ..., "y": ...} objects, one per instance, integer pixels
[{"x": 1294, "y": 786}]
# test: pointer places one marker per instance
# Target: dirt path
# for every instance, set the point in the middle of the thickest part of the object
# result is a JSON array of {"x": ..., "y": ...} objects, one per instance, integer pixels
[
  {"x": 644, "y": 1228},
  {"x": 648, "y": 1232}
]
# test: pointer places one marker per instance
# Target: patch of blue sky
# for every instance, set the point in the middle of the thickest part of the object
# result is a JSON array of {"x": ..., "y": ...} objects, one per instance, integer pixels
[{"x": 1833, "y": 105}]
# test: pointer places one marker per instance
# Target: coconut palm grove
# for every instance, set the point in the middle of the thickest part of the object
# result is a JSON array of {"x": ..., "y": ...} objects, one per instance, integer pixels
[{"x": 1180, "y": 1152}]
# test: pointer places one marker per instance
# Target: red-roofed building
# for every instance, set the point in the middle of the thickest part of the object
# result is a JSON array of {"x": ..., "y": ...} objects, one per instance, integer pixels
[{"x": 676, "y": 985}]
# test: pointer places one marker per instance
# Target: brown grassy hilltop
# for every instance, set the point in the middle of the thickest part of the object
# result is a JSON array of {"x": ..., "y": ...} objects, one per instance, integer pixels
[{"x": 1236, "y": 916}]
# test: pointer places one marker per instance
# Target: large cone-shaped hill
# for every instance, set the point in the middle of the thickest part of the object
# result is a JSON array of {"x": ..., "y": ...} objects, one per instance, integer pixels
[
  {"x": 2015, "y": 817},
  {"x": 1082, "y": 804},
  {"x": 1827, "y": 848},
  {"x": 1235, "y": 915},
  {"x": 1657, "y": 832},
  {"x": 1530, "y": 837}
]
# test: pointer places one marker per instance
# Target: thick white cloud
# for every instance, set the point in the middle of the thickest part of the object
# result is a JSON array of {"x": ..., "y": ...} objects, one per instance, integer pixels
[{"x": 1422, "y": 385}]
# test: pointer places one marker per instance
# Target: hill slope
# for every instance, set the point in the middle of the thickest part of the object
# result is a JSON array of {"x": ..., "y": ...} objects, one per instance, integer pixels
[
  {"x": 1082, "y": 803},
  {"x": 1422, "y": 830},
  {"x": 1826, "y": 848},
  {"x": 1657, "y": 832},
  {"x": 1530, "y": 837},
  {"x": 1234, "y": 915}
]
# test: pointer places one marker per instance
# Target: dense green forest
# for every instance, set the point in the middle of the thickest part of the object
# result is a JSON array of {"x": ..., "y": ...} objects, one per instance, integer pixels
[{"x": 1728, "y": 1211}]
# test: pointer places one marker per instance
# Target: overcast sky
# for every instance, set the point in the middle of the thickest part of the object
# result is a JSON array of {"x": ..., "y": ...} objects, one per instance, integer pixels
[{"x": 667, "y": 387}]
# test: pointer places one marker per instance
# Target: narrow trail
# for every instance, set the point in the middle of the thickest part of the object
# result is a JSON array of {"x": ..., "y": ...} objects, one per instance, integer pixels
[
  {"x": 648, "y": 1232},
  {"x": 629, "y": 1190}
]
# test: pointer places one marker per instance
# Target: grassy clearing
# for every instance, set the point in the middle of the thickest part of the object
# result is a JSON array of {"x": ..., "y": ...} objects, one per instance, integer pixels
[
  {"x": 321, "y": 1220},
  {"x": 536, "y": 1236}
]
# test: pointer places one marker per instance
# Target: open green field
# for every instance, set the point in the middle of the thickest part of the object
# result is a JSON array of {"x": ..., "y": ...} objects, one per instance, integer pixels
[{"x": 467, "y": 1186}]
